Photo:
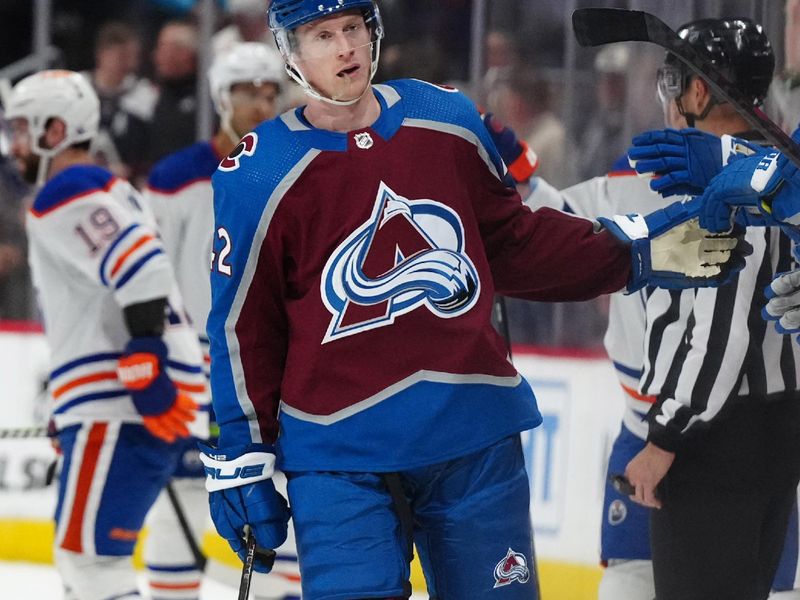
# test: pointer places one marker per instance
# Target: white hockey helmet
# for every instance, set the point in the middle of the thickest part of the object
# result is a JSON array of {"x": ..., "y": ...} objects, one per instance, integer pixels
[
  {"x": 243, "y": 63},
  {"x": 61, "y": 94}
]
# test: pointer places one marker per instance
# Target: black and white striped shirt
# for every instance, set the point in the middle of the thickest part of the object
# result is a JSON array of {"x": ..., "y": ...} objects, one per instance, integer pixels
[{"x": 709, "y": 348}]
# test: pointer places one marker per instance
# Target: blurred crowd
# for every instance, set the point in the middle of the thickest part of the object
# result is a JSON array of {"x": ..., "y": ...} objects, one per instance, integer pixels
[{"x": 142, "y": 57}]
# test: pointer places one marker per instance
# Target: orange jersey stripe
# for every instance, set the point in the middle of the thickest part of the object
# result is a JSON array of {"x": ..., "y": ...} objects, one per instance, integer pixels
[
  {"x": 139, "y": 243},
  {"x": 622, "y": 173},
  {"x": 198, "y": 388},
  {"x": 72, "y": 539},
  {"x": 103, "y": 376},
  {"x": 191, "y": 585},
  {"x": 636, "y": 395}
]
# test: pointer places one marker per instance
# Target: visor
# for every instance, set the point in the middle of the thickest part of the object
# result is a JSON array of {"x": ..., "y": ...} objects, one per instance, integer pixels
[{"x": 670, "y": 82}]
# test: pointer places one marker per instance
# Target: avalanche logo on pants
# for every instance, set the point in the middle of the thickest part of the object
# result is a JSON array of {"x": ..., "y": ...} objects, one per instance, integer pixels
[
  {"x": 409, "y": 254},
  {"x": 512, "y": 568}
]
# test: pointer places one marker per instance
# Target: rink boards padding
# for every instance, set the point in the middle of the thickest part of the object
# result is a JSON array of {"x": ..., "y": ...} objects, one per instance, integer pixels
[{"x": 579, "y": 398}]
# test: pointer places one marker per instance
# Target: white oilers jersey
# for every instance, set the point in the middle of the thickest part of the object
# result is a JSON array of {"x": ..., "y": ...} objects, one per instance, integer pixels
[
  {"x": 180, "y": 196},
  {"x": 93, "y": 251},
  {"x": 619, "y": 192}
]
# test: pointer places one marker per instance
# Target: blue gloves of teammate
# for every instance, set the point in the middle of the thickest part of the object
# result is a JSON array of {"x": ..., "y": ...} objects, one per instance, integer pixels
[
  {"x": 768, "y": 187},
  {"x": 520, "y": 160},
  {"x": 241, "y": 493},
  {"x": 741, "y": 184},
  {"x": 670, "y": 250},
  {"x": 685, "y": 161},
  {"x": 783, "y": 305},
  {"x": 166, "y": 411}
]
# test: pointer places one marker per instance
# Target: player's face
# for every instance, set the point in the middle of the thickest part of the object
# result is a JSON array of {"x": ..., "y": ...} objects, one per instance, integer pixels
[
  {"x": 252, "y": 104},
  {"x": 21, "y": 150},
  {"x": 335, "y": 55}
]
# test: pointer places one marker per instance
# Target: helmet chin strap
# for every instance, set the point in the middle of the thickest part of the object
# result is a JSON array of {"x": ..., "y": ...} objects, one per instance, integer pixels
[
  {"x": 41, "y": 172},
  {"x": 45, "y": 159},
  {"x": 691, "y": 118},
  {"x": 225, "y": 125},
  {"x": 295, "y": 73}
]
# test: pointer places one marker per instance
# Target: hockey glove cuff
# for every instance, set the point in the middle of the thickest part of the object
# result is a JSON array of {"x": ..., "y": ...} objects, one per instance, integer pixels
[
  {"x": 241, "y": 493},
  {"x": 165, "y": 410},
  {"x": 518, "y": 156}
]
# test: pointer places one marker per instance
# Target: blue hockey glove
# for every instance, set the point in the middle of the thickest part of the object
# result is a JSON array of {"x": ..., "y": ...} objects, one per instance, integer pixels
[
  {"x": 685, "y": 161},
  {"x": 783, "y": 305},
  {"x": 241, "y": 492},
  {"x": 520, "y": 160},
  {"x": 752, "y": 183},
  {"x": 166, "y": 411},
  {"x": 784, "y": 207},
  {"x": 670, "y": 250}
]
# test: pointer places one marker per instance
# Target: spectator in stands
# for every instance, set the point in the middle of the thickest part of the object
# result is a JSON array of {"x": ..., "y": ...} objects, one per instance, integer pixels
[
  {"x": 16, "y": 296},
  {"x": 175, "y": 62},
  {"x": 248, "y": 24},
  {"x": 784, "y": 95},
  {"x": 603, "y": 139},
  {"x": 522, "y": 100},
  {"x": 126, "y": 100},
  {"x": 502, "y": 59}
]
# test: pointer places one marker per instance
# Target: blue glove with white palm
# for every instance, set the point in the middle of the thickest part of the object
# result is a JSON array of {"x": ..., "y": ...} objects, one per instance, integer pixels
[
  {"x": 684, "y": 161},
  {"x": 242, "y": 494},
  {"x": 670, "y": 250}
]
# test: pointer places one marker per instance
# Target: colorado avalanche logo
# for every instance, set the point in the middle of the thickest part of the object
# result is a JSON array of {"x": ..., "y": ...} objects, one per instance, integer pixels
[
  {"x": 409, "y": 254},
  {"x": 514, "y": 567},
  {"x": 245, "y": 147}
]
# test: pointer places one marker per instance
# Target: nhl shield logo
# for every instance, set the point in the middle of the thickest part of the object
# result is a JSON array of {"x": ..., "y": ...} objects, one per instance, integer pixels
[
  {"x": 364, "y": 140},
  {"x": 514, "y": 567}
]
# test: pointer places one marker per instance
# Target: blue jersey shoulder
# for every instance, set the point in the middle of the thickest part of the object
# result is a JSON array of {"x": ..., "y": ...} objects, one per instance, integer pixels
[
  {"x": 449, "y": 106},
  {"x": 255, "y": 168},
  {"x": 72, "y": 183},
  {"x": 195, "y": 162},
  {"x": 425, "y": 100}
]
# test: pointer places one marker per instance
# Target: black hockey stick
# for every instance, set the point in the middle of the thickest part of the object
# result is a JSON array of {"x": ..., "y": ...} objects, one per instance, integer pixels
[
  {"x": 599, "y": 26},
  {"x": 199, "y": 558},
  {"x": 253, "y": 551}
]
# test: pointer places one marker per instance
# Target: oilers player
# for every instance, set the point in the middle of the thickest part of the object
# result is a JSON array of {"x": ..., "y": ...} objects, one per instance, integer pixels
[
  {"x": 126, "y": 377},
  {"x": 245, "y": 83},
  {"x": 359, "y": 241}
]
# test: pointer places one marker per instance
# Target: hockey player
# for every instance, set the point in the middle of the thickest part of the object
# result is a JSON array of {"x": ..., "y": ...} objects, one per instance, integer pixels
[
  {"x": 359, "y": 241},
  {"x": 126, "y": 377},
  {"x": 245, "y": 83},
  {"x": 721, "y": 438}
]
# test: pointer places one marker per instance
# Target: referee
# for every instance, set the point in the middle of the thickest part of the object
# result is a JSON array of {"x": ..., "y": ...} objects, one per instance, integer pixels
[{"x": 722, "y": 459}]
